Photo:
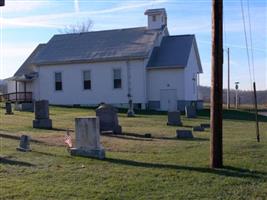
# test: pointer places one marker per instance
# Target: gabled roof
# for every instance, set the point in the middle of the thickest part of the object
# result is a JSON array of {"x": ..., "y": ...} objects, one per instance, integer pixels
[
  {"x": 174, "y": 51},
  {"x": 95, "y": 46},
  {"x": 27, "y": 67}
]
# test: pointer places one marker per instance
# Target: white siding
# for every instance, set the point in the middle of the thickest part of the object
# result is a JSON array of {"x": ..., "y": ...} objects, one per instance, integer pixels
[
  {"x": 165, "y": 79},
  {"x": 190, "y": 72},
  {"x": 101, "y": 83}
]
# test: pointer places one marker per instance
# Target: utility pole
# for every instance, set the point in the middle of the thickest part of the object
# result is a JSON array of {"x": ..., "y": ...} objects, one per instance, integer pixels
[
  {"x": 256, "y": 112},
  {"x": 216, "y": 147},
  {"x": 228, "y": 89},
  {"x": 236, "y": 94}
]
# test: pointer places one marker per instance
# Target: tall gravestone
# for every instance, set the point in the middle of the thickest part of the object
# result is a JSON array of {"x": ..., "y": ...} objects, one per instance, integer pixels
[
  {"x": 174, "y": 118},
  {"x": 108, "y": 119},
  {"x": 190, "y": 111},
  {"x": 41, "y": 109},
  {"x": 87, "y": 138},
  {"x": 9, "y": 108}
]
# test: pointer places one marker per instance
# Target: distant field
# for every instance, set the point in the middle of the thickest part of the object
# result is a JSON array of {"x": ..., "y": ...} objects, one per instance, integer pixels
[{"x": 136, "y": 168}]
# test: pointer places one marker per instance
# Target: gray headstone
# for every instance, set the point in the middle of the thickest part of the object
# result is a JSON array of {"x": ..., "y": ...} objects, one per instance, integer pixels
[
  {"x": 9, "y": 108},
  {"x": 184, "y": 134},
  {"x": 24, "y": 143},
  {"x": 87, "y": 138},
  {"x": 205, "y": 125},
  {"x": 108, "y": 118},
  {"x": 190, "y": 111},
  {"x": 41, "y": 109},
  {"x": 174, "y": 118},
  {"x": 198, "y": 128}
]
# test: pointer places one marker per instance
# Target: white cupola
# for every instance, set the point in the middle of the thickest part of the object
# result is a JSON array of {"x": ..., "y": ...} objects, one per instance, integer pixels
[{"x": 156, "y": 18}]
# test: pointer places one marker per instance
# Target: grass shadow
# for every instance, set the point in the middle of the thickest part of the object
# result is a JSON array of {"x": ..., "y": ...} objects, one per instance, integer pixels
[
  {"x": 227, "y": 171},
  {"x": 15, "y": 162},
  {"x": 234, "y": 115},
  {"x": 121, "y": 136}
]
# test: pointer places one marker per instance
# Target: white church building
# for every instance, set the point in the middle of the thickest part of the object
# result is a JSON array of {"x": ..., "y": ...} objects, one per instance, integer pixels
[{"x": 145, "y": 64}]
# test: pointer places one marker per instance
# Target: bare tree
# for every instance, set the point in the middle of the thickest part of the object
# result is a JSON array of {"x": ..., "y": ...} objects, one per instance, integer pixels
[{"x": 82, "y": 27}]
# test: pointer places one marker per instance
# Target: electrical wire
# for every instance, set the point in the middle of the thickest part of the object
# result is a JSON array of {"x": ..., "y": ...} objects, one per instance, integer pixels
[{"x": 246, "y": 40}]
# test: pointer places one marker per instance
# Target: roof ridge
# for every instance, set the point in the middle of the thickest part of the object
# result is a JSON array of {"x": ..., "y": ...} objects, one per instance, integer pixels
[{"x": 118, "y": 29}]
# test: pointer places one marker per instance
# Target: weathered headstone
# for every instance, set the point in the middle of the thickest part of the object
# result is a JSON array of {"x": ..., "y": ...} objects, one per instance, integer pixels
[
  {"x": 9, "y": 108},
  {"x": 87, "y": 138},
  {"x": 41, "y": 109},
  {"x": 184, "y": 134},
  {"x": 190, "y": 111},
  {"x": 205, "y": 125},
  {"x": 130, "y": 112},
  {"x": 198, "y": 128},
  {"x": 24, "y": 144},
  {"x": 174, "y": 118},
  {"x": 108, "y": 119}
]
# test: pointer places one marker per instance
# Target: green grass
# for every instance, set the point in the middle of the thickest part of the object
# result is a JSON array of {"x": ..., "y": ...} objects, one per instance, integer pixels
[{"x": 136, "y": 168}]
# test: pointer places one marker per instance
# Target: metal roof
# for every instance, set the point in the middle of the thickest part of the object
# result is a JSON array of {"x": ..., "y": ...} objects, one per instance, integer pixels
[
  {"x": 173, "y": 51},
  {"x": 98, "y": 46}
]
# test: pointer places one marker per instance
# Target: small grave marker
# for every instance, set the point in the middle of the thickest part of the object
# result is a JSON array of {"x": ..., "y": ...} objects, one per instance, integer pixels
[
  {"x": 198, "y": 128},
  {"x": 187, "y": 134},
  {"x": 9, "y": 109},
  {"x": 205, "y": 125},
  {"x": 24, "y": 144}
]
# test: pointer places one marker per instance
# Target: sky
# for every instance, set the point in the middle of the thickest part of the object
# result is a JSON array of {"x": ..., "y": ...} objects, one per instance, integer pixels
[{"x": 25, "y": 24}]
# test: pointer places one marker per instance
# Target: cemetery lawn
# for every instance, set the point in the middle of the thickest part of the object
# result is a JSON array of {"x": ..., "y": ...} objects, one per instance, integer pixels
[{"x": 136, "y": 167}]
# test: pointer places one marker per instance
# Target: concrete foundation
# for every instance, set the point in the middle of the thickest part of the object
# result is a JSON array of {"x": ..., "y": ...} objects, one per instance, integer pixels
[{"x": 25, "y": 107}]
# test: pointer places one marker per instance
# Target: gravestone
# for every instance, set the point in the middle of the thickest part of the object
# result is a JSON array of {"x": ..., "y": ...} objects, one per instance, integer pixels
[
  {"x": 205, "y": 125},
  {"x": 9, "y": 109},
  {"x": 130, "y": 112},
  {"x": 198, "y": 128},
  {"x": 41, "y": 109},
  {"x": 174, "y": 118},
  {"x": 24, "y": 144},
  {"x": 190, "y": 111},
  {"x": 87, "y": 138},
  {"x": 186, "y": 134},
  {"x": 108, "y": 119}
]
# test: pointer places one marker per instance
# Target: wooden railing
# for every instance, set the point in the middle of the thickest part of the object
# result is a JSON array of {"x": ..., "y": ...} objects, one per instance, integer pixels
[{"x": 16, "y": 97}]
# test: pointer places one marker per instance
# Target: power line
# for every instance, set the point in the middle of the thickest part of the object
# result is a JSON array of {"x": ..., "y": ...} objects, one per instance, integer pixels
[
  {"x": 251, "y": 45},
  {"x": 246, "y": 40}
]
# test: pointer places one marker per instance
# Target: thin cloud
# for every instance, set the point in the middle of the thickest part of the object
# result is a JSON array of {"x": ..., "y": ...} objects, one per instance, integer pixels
[{"x": 55, "y": 20}]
